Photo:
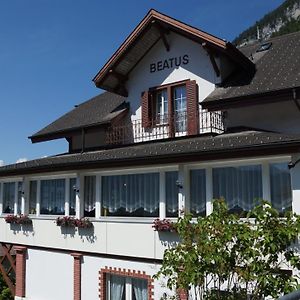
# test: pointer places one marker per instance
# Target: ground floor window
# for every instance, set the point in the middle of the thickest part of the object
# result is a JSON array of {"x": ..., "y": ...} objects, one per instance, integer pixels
[
  {"x": 132, "y": 195},
  {"x": 198, "y": 192},
  {"x": 32, "y": 196},
  {"x": 126, "y": 288},
  {"x": 72, "y": 199},
  {"x": 240, "y": 186},
  {"x": 89, "y": 196},
  {"x": 8, "y": 197},
  {"x": 52, "y": 197},
  {"x": 171, "y": 194},
  {"x": 280, "y": 183}
]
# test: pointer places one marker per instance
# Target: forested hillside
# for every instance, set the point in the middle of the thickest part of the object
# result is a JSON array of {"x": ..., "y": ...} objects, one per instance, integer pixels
[{"x": 282, "y": 20}]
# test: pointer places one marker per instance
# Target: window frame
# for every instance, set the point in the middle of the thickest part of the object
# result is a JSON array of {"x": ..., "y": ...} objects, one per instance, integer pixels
[
  {"x": 129, "y": 274},
  {"x": 170, "y": 118}
]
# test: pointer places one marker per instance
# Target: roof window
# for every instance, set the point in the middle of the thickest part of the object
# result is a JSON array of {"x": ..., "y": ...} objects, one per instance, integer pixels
[{"x": 264, "y": 47}]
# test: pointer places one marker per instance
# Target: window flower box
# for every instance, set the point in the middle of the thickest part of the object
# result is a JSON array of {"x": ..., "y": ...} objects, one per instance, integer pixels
[
  {"x": 164, "y": 225},
  {"x": 83, "y": 223},
  {"x": 68, "y": 221},
  {"x": 18, "y": 219}
]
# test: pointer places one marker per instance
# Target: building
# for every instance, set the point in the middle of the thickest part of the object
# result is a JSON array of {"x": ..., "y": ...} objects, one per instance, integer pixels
[{"x": 186, "y": 117}]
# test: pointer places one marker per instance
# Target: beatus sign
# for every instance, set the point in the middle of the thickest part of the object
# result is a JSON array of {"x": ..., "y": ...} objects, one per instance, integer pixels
[{"x": 169, "y": 63}]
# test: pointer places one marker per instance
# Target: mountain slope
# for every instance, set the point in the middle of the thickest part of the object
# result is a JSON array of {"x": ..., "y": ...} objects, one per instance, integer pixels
[{"x": 282, "y": 20}]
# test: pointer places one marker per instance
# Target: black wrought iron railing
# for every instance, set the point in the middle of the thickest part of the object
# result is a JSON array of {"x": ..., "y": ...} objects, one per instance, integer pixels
[{"x": 164, "y": 126}]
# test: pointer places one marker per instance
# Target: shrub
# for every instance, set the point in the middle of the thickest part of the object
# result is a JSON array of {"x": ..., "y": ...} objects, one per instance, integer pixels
[{"x": 18, "y": 219}]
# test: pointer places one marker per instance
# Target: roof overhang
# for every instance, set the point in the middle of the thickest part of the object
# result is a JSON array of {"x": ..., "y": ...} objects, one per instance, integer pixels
[
  {"x": 252, "y": 99},
  {"x": 155, "y": 26}
]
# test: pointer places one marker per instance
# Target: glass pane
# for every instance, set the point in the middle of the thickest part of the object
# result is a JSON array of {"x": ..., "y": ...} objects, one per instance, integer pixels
[
  {"x": 241, "y": 187},
  {"x": 171, "y": 194},
  {"x": 53, "y": 197},
  {"x": 198, "y": 192},
  {"x": 117, "y": 287},
  {"x": 162, "y": 106},
  {"x": 32, "y": 196},
  {"x": 8, "y": 197},
  {"x": 281, "y": 191},
  {"x": 139, "y": 289},
  {"x": 89, "y": 196},
  {"x": 72, "y": 200},
  {"x": 180, "y": 107},
  {"x": 134, "y": 195},
  {"x": 19, "y": 203}
]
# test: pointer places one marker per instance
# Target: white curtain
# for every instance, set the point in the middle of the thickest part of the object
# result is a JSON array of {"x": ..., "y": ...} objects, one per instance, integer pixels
[
  {"x": 53, "y": 197},
  {"x": 198, "y": 192},
  {"x": 89, "y": 196},
  {"x": 281, "y": 191},
  {"x": 240, "y": 186},
  {"x": 140, "y": 288},
  {"x": 171, "y": 194},
  {"x": 19, "y": 204},
  {"x": 131, "y": 195},
  {"x": 117, "y": 284}
]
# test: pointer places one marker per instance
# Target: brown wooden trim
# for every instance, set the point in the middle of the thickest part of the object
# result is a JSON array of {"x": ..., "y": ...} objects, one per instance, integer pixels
[
  {"x": 164, "y": 86},
  {"x": 154, "y": 15}
]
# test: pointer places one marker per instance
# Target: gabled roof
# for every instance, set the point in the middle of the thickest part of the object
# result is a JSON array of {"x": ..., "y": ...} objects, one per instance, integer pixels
[
  {"x": 277, "y": 74},
  {"x": 228, "y": 145},
  {"x": 151, "y": 29},
  {"x": 94, "y": 112}
]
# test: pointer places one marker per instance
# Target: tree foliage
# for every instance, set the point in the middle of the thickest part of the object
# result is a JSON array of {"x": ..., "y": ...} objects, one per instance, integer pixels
[
  {"x": 223, "y": 257},
  {"x": 4, "y": 290}
]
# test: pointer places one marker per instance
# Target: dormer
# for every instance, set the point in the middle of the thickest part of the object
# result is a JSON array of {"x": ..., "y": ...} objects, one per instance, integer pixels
[{"x": 162, "y": 72}]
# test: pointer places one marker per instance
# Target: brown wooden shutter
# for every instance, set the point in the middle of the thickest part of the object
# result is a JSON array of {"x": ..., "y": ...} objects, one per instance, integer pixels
[
  {"x": 146, "y": 109},
  {"x": 192, "y": 107}
]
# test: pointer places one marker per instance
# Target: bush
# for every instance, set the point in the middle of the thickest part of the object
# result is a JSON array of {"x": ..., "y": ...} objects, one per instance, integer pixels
[{"x": 222, "y": 257}]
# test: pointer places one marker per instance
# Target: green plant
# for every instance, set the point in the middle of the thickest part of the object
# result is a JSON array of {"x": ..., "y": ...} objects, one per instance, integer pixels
[
  {"x": 5, "y": 293},
  {"x": 222, "y": 257}
]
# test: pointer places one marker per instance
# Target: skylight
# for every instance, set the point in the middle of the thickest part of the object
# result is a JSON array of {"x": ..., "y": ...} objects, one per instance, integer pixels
[{"x": 264, "y": 47}]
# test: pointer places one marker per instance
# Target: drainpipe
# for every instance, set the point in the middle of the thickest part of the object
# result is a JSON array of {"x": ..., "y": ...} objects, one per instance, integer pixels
[
  {"x": 293, "y": 164},
  {"x": 295, "y": 99}
]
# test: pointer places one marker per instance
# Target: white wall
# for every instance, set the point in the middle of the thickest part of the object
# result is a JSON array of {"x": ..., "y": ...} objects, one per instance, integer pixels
[
  {"x": 49, "y": 276},
  {"x": 281, "y": 117},
  {"x": 199, "y": 68}
]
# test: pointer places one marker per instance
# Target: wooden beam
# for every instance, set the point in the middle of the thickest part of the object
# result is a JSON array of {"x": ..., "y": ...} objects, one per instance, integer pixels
[
  {"x": 212, "y": 58},
  {"x": 118, "y": 76},
  {"x": 162, "y": 32}
]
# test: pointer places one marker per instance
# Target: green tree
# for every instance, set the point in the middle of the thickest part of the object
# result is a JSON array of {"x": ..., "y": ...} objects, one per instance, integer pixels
[
  {"x": 5, "y": 293},
  {"x": 223, "y": 257}
]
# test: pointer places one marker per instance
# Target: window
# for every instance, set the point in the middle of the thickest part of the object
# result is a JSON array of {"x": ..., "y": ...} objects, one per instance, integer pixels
[
  {"x": 132, "y": 195},
  {"x": 72, "y": 200},
  {"x": 174, "y": 105},
  {"x": 281, "y": 191},
  {"x": 8, "y": 197},
  {"x": 126, "y": 288},
  {"x": 52, "y": 197},
  {"x": 179, "y": 98},
  {"x": 32, "y": 196},
  {"x": 241, "y": 186},
  {"x": 198, "y": 192},
  {"x": 171, "y": 194},
  {"x": 19, "y": 200},
  {"x": 89, "y": 196},
  {"x": 162, "y": 107}
]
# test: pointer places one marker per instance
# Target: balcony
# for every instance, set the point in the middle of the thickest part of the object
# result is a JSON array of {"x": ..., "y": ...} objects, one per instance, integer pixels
[{"x": 164, "y": 127}]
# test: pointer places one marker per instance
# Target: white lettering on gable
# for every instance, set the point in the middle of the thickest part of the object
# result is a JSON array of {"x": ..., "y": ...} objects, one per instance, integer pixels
[{"x": 169, "y": 63}]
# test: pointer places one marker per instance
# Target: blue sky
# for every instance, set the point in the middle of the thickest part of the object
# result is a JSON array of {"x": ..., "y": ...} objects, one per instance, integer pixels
[{"x": 51, "y": 49}]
